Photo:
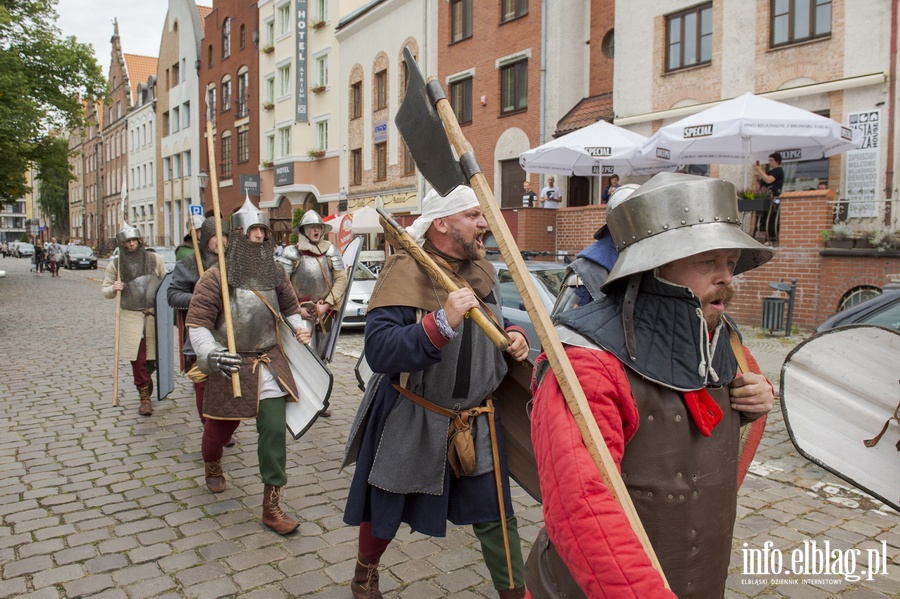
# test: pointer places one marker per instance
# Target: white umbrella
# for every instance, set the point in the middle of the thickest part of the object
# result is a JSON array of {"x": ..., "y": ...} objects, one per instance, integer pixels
[
  {"x": 598, "y": 149},
  {"x": 749, "y": 128}
]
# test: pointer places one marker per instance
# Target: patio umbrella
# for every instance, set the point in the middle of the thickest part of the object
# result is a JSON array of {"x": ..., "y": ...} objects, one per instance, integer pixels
[
  {"x": 749, "y": 128},
  {"x": 598, "y": 149}
]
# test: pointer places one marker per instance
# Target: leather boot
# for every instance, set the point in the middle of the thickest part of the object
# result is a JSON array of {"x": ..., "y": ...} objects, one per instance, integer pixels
[
  {"x": 146, "y": 408},
  {"x": 215, "y": 477},
  {"x": 516, "y": 593},
  {"x": 365, "y": 580},
  {"x": 273, "y": 516}
]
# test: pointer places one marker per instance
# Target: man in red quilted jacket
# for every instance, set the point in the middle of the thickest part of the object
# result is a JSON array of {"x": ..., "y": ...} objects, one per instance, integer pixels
[{"x": 659, "y": 363}]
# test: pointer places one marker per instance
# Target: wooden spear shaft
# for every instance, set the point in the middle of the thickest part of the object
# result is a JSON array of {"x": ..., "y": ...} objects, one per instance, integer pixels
[
  {"x": 397, "y": 237},
  {"x": 115, "y": 390},
  {"x": 217, "y": 213},
  {"x": 553, "y": 348}
]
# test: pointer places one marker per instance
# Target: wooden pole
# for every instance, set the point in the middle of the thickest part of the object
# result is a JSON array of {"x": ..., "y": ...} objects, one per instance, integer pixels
[
  {"x": 553, "y": 348},
  {"x": 196, "y": 244},
  {"x": 217, "y": 213},
  {"x": 115, "y": 391},
  {"x": 400, "y": 239}
]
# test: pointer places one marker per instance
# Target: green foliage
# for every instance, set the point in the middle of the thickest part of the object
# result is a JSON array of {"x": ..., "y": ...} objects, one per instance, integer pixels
[
  {"x": 296, "y": 217},
  {"x": 43, "y": 79},
  {"x": 53, "y": 171}
]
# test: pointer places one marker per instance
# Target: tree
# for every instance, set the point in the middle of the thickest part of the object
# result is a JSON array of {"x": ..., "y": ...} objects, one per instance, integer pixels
[
  {"x": 43, "y": 80},
  {"x": 53, "y": 170},
  {"x": 296, "y": 217}
]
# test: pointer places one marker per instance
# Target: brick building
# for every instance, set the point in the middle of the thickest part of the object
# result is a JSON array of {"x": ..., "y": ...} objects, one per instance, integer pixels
[{"x": 229, "y": 79}]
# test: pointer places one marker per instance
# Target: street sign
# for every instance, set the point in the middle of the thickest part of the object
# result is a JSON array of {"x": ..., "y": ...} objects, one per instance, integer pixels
[{"x": 197, "y": 209}]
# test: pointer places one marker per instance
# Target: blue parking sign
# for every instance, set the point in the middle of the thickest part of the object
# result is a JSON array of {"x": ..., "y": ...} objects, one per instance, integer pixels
[{"x": 197, "y": 209}]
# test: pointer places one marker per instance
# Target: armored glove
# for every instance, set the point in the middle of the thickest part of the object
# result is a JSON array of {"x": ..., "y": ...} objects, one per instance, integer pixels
[{"x": 224, "y": 361}]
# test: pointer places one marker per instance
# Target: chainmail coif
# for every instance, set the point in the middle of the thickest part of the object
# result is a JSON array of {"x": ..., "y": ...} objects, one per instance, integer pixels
[
  {"x": 251, "y": 265},
  {"x": 135, "y": 264}
]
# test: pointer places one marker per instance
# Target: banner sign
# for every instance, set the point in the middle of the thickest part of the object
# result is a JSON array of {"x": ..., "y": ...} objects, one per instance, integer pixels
[
  {"x": 284, "y": 174},
  {"x": 250, "y": 185},
  {"x": 300, "y": 30},
  {"x": 861, "y": 177}
]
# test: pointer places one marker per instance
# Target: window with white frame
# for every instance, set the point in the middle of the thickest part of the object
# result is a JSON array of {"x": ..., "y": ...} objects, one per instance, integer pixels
[
  {"x": 226, "y": 38},
  {"x": 175, "y": 122},
  {"x": 269, "y": 28},
  {"x": 270, "y": 147},
  {"x": 185, "y": 115},
  {"x": 187, "y": 163},
  {"x": 322, "y": 70},
  {"x": 270, "y": 90},
  {"x": 284, "y": 141},
  {"x": 321, "y": 10},
  {"x": 284, "y": 80},
  {"x": 226, "y": 93},
  {"x": 243, "y": 93},
  {"x": 284, "y": 19},
  {"x": 322, "y": 135}
]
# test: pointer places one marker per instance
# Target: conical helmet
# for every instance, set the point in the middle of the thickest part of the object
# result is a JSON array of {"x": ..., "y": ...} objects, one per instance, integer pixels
[
  {"x": 311, "y": 217},
  {"x": 673, "y": 216},
  {"x": 248, "y": 216},
  {"x": 128, "y": 232}
]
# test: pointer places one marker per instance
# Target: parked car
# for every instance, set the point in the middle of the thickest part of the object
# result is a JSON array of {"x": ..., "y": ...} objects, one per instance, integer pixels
[
  {"x": 168, "y": 255},
  {"x": 359, "y": 292},
  {"x": 79, "y": 256},
  {"x": 883, "y": 310},
  {"x": 548, "y": 278},
  {"x": 23, "y": 250}
]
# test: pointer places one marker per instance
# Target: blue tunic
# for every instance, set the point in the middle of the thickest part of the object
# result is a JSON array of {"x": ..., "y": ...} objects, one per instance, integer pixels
[{"x": 396, "y": 342}]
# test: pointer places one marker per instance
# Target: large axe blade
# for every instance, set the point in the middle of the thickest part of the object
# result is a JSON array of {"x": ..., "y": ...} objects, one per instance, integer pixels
[
  {"x": 427, "y": 138},
  {"x": 432, "y": 151}
]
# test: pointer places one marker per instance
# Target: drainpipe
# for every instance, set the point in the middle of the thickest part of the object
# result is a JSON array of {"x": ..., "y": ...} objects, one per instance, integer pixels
[
  {"x": 892, "y": 99},
  {"x": 543, "y": 114}
]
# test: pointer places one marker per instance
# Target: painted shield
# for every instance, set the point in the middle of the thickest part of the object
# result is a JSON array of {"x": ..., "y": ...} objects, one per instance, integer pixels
[
  {"x": 165, "y": 341},
  {"x": 313, "y": 381},
  {"x": 350, "y": 257},
  {"x": 841, "y": 404}
]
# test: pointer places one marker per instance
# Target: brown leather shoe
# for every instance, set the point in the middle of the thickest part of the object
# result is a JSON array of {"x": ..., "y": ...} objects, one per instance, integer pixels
[
  {"x": 215, "y": 478},
  {"x": 365, "y": 580},
  {"x": 273, "y": 516},
  {"x": 326, "y": 414},
  {"x": 146, "y": 408},
  {"x": 516, "y": 593}
]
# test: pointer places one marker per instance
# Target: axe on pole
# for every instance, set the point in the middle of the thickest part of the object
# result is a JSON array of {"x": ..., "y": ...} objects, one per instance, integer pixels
[
  {"x": 217, "y": 212},
  {"x": 429, "y": 127}
]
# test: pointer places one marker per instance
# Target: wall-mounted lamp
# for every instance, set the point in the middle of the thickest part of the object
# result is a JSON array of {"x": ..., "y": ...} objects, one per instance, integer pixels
[{"x": 484, "y": 100}]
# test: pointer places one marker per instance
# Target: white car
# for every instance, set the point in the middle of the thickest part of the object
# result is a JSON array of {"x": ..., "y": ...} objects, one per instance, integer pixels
[{"x": 359, "y": 292}]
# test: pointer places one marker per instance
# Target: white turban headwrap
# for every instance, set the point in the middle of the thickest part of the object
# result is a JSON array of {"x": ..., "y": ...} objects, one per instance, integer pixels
[{"x": 434, "y": 206}]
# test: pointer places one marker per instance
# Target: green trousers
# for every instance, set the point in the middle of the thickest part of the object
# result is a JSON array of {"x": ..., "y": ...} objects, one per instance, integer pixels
[
  {"x": 492, "y": 548},
  {"x": 271, "y": 449}
]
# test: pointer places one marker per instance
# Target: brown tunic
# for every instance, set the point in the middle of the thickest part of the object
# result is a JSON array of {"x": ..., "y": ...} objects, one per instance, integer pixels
[{"x": 218, "y": 400}]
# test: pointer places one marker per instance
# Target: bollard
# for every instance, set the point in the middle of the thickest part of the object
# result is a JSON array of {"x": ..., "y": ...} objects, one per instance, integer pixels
[{"x": 790, "y": 290}]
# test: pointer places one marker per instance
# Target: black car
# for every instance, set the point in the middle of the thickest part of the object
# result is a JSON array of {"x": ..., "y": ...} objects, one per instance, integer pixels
[
  {"x": 883, "y": 310},
  {"x": 80, "y": 256}
]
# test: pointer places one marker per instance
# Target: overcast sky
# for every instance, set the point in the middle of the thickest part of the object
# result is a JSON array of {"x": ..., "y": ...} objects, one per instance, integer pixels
[{"x": 140, "y": 24}]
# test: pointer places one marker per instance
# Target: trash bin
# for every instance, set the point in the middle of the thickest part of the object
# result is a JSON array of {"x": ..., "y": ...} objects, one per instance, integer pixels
[{"x": 773, "y": 313}]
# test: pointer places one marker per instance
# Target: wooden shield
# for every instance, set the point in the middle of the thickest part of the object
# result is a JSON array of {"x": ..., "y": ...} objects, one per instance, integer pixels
[{"x": 839, "y": 390}]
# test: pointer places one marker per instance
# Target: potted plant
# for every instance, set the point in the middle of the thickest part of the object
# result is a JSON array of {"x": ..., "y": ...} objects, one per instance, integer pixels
[
  {"x": 318, "y": 24},
  {"x": 315, "y": 153},
  {"x": 840, "y": 236},
  {"x": 268, "y": 105},
  {"x": 268, "y": 49},
  {"x": 751, "y": 200},
  {"x": 317, "y": 89},
  {"x": 266, "y": 164},
  {"x": 881, "y": 238}
]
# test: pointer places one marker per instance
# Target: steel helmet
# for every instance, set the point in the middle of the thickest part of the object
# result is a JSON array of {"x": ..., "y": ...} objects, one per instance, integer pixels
[
  {"x": 249, "y": 216},
  {"x": 311, "y": 217},
  {"x": 674, "y": 216},
  {"x": 128, "y": 232}
]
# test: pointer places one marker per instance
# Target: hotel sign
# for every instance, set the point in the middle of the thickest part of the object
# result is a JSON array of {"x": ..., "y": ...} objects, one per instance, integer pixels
[{"x": 300, "y": 31}]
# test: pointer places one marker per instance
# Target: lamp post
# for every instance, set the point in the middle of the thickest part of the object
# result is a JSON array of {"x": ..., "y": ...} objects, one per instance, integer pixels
[{"x": 203, "y": 181}]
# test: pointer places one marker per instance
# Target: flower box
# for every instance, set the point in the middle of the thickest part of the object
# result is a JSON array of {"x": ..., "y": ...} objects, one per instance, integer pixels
[
  {"x": 268, "y": 106},
  {"x": 268, "y": 49},
  {"x": 317, "y": 89},
  {"x": 317, "y": 24},
  {"x": 315, "y": 153}
]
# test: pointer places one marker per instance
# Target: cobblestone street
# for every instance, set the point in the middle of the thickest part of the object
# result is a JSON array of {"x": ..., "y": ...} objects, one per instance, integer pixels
[{"x": 96, "y": 501}]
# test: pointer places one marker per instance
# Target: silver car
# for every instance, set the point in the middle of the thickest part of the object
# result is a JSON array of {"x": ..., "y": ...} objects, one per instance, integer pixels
[
  {"x": 548, "y": 278},
  {"x": 359, "y": 292}
]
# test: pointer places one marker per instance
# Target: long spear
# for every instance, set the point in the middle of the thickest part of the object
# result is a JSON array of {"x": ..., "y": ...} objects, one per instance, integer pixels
[
  {"x": 217, "y": 213},
  {"x": 115, "y": 389}
]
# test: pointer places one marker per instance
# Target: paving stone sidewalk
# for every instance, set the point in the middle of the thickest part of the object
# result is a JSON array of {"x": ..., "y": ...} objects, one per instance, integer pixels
[{"x": 96, "y": 501}]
